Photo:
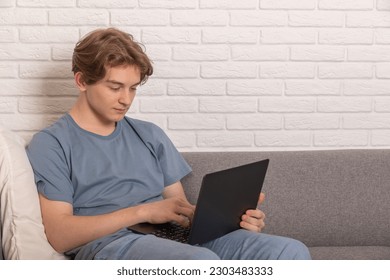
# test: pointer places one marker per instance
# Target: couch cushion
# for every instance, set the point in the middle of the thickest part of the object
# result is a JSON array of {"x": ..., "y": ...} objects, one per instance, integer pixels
[
  {"x": 23, "y": 234},
  {"x": 323, "y": 198},
  {"x": 350, "y": 253}
]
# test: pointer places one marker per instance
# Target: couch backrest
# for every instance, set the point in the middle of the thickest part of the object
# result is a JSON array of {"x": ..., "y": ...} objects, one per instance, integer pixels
[{"x": 323, "y": 198}]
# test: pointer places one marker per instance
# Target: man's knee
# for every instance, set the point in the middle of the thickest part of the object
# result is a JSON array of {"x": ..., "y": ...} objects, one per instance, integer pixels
[
  {"x": 199, "y": 253},
  {"x": 293, "y": 250}
]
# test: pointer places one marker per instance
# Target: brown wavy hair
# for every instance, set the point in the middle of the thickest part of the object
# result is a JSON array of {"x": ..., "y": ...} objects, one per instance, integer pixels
[{"x": 109, "y": 47}]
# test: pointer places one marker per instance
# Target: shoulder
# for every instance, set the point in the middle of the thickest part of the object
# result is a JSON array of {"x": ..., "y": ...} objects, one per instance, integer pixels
[
  {"x": 145, "y": 128},
  {"x": 54, "y": 135}
]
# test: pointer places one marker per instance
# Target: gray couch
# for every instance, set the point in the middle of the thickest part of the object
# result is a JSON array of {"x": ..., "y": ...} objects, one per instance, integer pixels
[{"x": 336, "y": 202}]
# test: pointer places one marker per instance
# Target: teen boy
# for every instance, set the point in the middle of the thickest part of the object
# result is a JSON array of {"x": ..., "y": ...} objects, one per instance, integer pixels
[{"x": 98, "y": 171}]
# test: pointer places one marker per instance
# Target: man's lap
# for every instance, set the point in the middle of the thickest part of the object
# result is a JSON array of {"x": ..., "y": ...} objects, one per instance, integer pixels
[{"x": 240, "y": 244}]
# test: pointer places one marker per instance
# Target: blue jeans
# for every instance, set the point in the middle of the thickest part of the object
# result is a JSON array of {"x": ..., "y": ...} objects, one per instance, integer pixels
[{"x": 238, "y": 245}]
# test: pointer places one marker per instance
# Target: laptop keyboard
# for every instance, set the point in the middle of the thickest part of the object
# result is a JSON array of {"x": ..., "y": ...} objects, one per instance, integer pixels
[{"x": 174, "y": 232}]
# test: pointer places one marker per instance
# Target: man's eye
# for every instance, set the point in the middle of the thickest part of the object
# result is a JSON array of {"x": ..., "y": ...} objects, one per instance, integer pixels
[{"x": 115, "y": 88}]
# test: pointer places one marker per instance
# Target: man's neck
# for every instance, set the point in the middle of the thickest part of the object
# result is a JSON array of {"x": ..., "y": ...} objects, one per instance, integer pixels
[{"x": 91, "y": 123}]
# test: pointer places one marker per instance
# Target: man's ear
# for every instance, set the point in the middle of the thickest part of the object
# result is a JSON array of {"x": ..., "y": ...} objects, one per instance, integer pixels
[{"x": 79, "y": 80}]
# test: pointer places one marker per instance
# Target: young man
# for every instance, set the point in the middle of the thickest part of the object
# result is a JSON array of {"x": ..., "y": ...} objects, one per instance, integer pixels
[{"x": 98, "y": 172}]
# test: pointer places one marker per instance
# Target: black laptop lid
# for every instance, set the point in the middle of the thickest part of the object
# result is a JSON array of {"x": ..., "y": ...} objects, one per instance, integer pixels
[{"x": 224, "y": 196}]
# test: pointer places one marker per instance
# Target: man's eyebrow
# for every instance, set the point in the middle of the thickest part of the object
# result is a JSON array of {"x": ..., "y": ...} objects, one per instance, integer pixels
[
  {"x": 114, "y": 82},
  {"x": 120, "y": 83}
]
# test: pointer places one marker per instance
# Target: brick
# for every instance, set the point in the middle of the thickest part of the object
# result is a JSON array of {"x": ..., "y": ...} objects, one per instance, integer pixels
[
  {"x": 369, "y": 87},
  {"x": 347, "y": 36},
  {"x": 255, "y": 87},
  {"x": 45, "y": 70},
  {"x": 258, "y": 18},
  {"x": 107, "y": 4},
  {"x": 344, "y": 104},
  {"x": 382, "y": 104},
  {"x": 182, "y": 140},
  {"x": 228, "y": 70},
  {"x": 288, "y": 4},
  {"x": 316, "y": 18},
  {"x": 228, "y": 4},
  {"x": 45, "y": 105},
  {"x": 227, "y": 105},
  {"x": 62, "y": 52},
  {"x": 78, "y": 17},
  {"x": 175, "y": 70},
  {"x": 222, "y": 35},
  {"x": 49, "y": 34},
  {"x": 283, "y": 104},
  {"x": 8, "y": 70},
  {"x": 383, "y": 5},
  {"x": 199, "y": 18},
  {"x": 287, "y": 70},
  {"x": 366, "y": 121},
  {"x": 159, "y": 52},
  {"x": 22, "y": 16},
  {"x": 382, "y": 36},
  {"x": 135, "y": 32},
  {"x": 8, "y": 104},
  {"x": 196, "y": 122},
  {"x": 289, "y": 35},
  {"x": 368, "y": 19},
  {"x": 196, "y": 87},
  {"x": 340, "y": 138},
  {"x": 168, "y": 4},
  {"x": 7, "y": 3},
  {"x": 8, "y": 34},
  {"x": 283, "y": 139},
  {"x": 201, "y": 53},
  {"x": 46, "y": 3},
  {"x": 254, "y": 121},
  {"x": 372, "y": 53},
  {"x": 153, "y": 87},
  {"x": 312, "y": 87},
  {"x": 169, "y": 105},
  {"x": 13, "y": 51},
  {"x": 27, "y": 122},
  {"x": 36, "y": 87},
  {"x": 345, "y": 70},
  {"x": 383, "y": 70},
  {"x": 380, "y": 137},
  {"x": 225, "y": 139},
  {"x": 260, "y": 53},
  {"x": 311, "y": 121},
  {"x": 171, "y": 35},
  {"x": 345, "y": 4},
  {"x": 317, "y": 53}
]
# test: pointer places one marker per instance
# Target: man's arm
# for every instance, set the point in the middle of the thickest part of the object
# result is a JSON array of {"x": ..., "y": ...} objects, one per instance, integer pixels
[{"x": 66, "y": 231}]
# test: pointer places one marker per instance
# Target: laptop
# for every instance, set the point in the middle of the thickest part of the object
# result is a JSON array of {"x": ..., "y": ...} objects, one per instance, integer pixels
[{"x": 223, "y": 198}]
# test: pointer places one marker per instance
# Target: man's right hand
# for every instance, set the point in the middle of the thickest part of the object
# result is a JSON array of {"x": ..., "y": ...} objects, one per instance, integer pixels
[{"x": 172, "y": 209}]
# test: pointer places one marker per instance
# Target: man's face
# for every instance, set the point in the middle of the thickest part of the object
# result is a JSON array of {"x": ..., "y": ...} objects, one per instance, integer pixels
[{"x": 109, "y": 99}]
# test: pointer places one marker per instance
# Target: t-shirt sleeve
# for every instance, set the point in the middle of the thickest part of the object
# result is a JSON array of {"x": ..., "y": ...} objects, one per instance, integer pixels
[
  {"x": 172, "y": 163},
  {"x": 51, "y": 170}
]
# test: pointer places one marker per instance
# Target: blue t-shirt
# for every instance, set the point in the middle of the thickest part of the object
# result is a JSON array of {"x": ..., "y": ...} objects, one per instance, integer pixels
[{"x": 100, "y": 174}]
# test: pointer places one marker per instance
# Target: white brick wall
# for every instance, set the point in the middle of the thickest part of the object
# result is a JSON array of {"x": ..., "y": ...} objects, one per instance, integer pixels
[{"x": 229, "y": 75}]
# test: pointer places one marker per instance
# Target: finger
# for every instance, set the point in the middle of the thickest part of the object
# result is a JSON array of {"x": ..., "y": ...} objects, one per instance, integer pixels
[
  {"x": 251, "y": 227},
  {"x": 182, "y": 220},
  {"x": 261, "y": 199},
  {"x": 255, "y": 213},
  {"x": 253, "y": 221},
  {"x": 186, "y": 211}
]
